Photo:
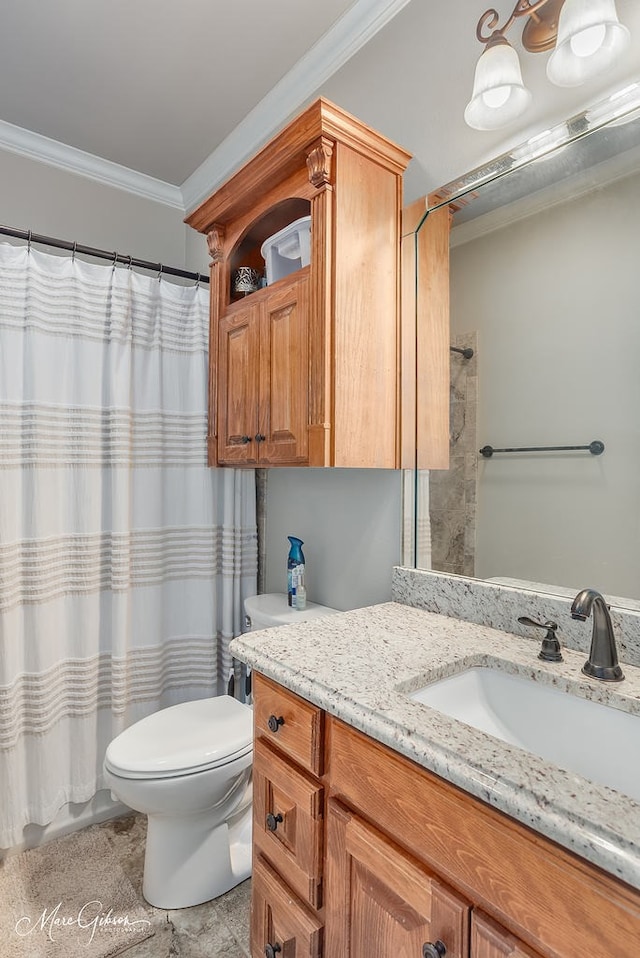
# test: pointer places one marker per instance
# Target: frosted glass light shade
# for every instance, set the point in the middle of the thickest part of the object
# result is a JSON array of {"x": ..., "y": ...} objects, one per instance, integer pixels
[
  {"x": 590, "y": 38},
  {"x": 499, "y": 95}
]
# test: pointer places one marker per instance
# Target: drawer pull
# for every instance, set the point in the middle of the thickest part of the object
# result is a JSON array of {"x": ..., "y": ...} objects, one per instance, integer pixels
[
  {"x": 273, "y": 821},
  {"x": 275, "y": 723},
  {"x": 435, "y": 950},
  {"x": 272, "y": 950}
]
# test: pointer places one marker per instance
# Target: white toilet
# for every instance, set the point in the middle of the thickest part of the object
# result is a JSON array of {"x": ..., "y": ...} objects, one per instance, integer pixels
[{"x": 188, "y": 768}]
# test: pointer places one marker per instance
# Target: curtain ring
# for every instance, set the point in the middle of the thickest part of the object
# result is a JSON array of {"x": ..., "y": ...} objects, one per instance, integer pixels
[
  {"x": 29, "y": 241},
  {"x": 73, "y": 253},
  {"x": 115, "y": 260},
  {"x": 130, "y": 265},
  {"x": 160, "y": 272},
  {"x": 198, "y": 281}
]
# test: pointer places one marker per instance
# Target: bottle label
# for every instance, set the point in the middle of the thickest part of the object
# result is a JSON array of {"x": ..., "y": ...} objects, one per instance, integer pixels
[{"x": 295, "y": 578}]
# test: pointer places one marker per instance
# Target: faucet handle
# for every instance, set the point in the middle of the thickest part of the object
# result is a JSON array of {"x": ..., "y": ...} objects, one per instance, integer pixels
[{"x": 550, "y": 650}]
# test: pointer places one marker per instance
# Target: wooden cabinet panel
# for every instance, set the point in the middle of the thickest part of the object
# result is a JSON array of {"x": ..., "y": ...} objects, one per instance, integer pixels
[
  {"x": 553, "y": 901},
  {"x": 284, "y": 374},
  {"x": 288, "y": 821},
  {"x": 380, "y": 901},
  {"x": 238, "y": 385},
  {"x": 291, "y": 725},
  {"x": 280, "y": 919},
  {"x": 367, "y": 221},
  {"x": 489, "y": 940}
]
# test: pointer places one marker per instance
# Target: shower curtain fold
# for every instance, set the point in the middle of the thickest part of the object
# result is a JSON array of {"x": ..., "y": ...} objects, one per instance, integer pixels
[{"x": 124, "y": 559}]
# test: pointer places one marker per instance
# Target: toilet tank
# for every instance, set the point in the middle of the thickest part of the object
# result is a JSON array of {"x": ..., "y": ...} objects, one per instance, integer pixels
[{"x": 265, "y": 611}]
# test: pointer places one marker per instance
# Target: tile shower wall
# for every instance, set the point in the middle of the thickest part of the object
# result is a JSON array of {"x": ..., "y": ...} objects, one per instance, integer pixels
[{"x": 452, "y": 492}]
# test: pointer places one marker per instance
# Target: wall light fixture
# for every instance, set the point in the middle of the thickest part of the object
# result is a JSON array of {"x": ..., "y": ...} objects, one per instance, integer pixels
[{"x": 587, "y": 37}]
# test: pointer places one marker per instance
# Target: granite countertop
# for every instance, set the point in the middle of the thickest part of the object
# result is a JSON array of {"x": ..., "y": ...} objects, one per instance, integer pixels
[{"x": 359, "y": 666}]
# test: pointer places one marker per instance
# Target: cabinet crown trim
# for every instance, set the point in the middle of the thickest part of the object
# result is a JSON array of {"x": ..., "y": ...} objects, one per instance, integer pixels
[{"x": 287, "y": 152}]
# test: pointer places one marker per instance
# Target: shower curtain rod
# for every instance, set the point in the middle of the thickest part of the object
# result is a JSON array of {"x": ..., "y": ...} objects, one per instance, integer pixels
[{"x": 74, "y": 248}]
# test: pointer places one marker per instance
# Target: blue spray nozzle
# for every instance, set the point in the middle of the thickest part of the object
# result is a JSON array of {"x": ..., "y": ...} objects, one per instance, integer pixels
[
  {"x": 295, "y": 567},
  {"x": 295, "y": 552}
]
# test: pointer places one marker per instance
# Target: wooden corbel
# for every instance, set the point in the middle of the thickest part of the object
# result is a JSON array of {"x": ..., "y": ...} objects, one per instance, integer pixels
[
  {"x": 320, "y": 162},
  {"x": 215, "y": 243}
]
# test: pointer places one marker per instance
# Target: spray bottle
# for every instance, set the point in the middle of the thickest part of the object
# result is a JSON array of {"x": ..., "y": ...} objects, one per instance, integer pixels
[{"x": 295, "y": 569}]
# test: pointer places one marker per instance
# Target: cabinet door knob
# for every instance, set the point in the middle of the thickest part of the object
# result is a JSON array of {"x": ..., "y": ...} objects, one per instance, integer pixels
[
  {"x": 272, "y": 950},
  {"x": 259, "y": 437},
  {"x": 273, "y": 821},
  {"x": 275, "y": 723},
  {"x": 245, "y": 439},
  {"x": 434, "y": 950}
]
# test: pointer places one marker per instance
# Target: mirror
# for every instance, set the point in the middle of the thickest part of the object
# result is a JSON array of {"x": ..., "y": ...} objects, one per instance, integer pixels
[{"x": 545, "y": 289}]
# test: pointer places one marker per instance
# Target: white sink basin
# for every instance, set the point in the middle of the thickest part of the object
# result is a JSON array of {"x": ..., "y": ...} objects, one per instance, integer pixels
[{"x": 597, "y": 741}]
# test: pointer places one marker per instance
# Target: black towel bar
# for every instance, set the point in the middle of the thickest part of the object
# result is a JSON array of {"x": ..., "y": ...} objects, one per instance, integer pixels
[{"x": 596, "y": 448}]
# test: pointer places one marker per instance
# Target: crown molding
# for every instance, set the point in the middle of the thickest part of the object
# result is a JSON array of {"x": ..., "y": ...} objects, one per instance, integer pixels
[
  {"x": 351, "y": 32},
  {"x": 34, "y": 146},
  {"x": 348, "y": 35}
]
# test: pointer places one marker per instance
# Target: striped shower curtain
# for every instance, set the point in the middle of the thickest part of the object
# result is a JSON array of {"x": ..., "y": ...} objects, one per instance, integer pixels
[{"x": 123, "y": 558}]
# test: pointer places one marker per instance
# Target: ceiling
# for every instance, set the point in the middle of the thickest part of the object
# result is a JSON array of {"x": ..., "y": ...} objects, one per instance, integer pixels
[
  {"x": 181, "y": 92},
  {"x": 154, "y": 85}
]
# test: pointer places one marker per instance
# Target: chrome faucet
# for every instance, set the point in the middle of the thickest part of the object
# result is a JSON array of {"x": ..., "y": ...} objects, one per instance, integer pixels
[{"x": 603, "y": 656}]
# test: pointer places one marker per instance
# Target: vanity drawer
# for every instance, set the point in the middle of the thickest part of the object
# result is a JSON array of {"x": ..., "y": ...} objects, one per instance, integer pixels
[
  {"x": 288, "y": 821},
  {"x": 294, "y": 726},
  {"x": 279, "y": 918}
]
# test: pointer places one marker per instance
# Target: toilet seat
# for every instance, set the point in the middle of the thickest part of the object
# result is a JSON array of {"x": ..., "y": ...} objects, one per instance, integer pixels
[{"x": 183, "y": 739}]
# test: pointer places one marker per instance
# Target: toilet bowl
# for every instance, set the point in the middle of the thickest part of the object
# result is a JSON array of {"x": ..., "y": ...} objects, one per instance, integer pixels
[{"x": 188, "y": 768}]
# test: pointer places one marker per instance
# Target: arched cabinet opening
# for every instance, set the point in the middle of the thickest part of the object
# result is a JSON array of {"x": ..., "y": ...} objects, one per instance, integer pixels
[{"x": 275, "y": 245}]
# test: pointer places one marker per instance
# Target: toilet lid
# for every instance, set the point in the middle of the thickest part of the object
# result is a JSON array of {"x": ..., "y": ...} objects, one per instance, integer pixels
[{"x": 189, "y": 737}]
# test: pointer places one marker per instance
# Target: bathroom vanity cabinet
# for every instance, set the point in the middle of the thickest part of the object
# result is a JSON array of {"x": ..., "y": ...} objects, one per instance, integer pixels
[
  {"x": 306, "y": 371},
  {"x": 359, "y": 851}
]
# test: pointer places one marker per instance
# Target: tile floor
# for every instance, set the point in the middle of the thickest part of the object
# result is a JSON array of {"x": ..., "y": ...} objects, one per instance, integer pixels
[{"x": 217, "y": 929}]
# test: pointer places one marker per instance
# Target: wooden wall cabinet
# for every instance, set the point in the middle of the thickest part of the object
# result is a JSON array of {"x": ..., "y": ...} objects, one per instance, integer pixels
[
  {"x": 312, "y": 363},
  {"x": 378, "y": 857}
]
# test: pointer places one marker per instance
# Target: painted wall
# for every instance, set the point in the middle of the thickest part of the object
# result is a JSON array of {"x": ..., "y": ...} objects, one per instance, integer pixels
[
  {"x": 47, "y": 200},
  {"x": 554, "y": 300},
  {"x": 350, "y": 522}
]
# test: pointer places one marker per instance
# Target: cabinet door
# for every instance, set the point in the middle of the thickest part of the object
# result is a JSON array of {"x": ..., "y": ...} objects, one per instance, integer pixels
[
  {"x": 284, "y": 374},
  {"x": 280, "y": 923},
  {"x": 237, "y": 388},
  {"x": 489, "y": 940},
  {"x": 381, "y": 901}
]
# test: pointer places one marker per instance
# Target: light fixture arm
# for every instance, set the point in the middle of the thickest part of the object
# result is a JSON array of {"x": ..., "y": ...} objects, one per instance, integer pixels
[{"x": 524, "y": 8}]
